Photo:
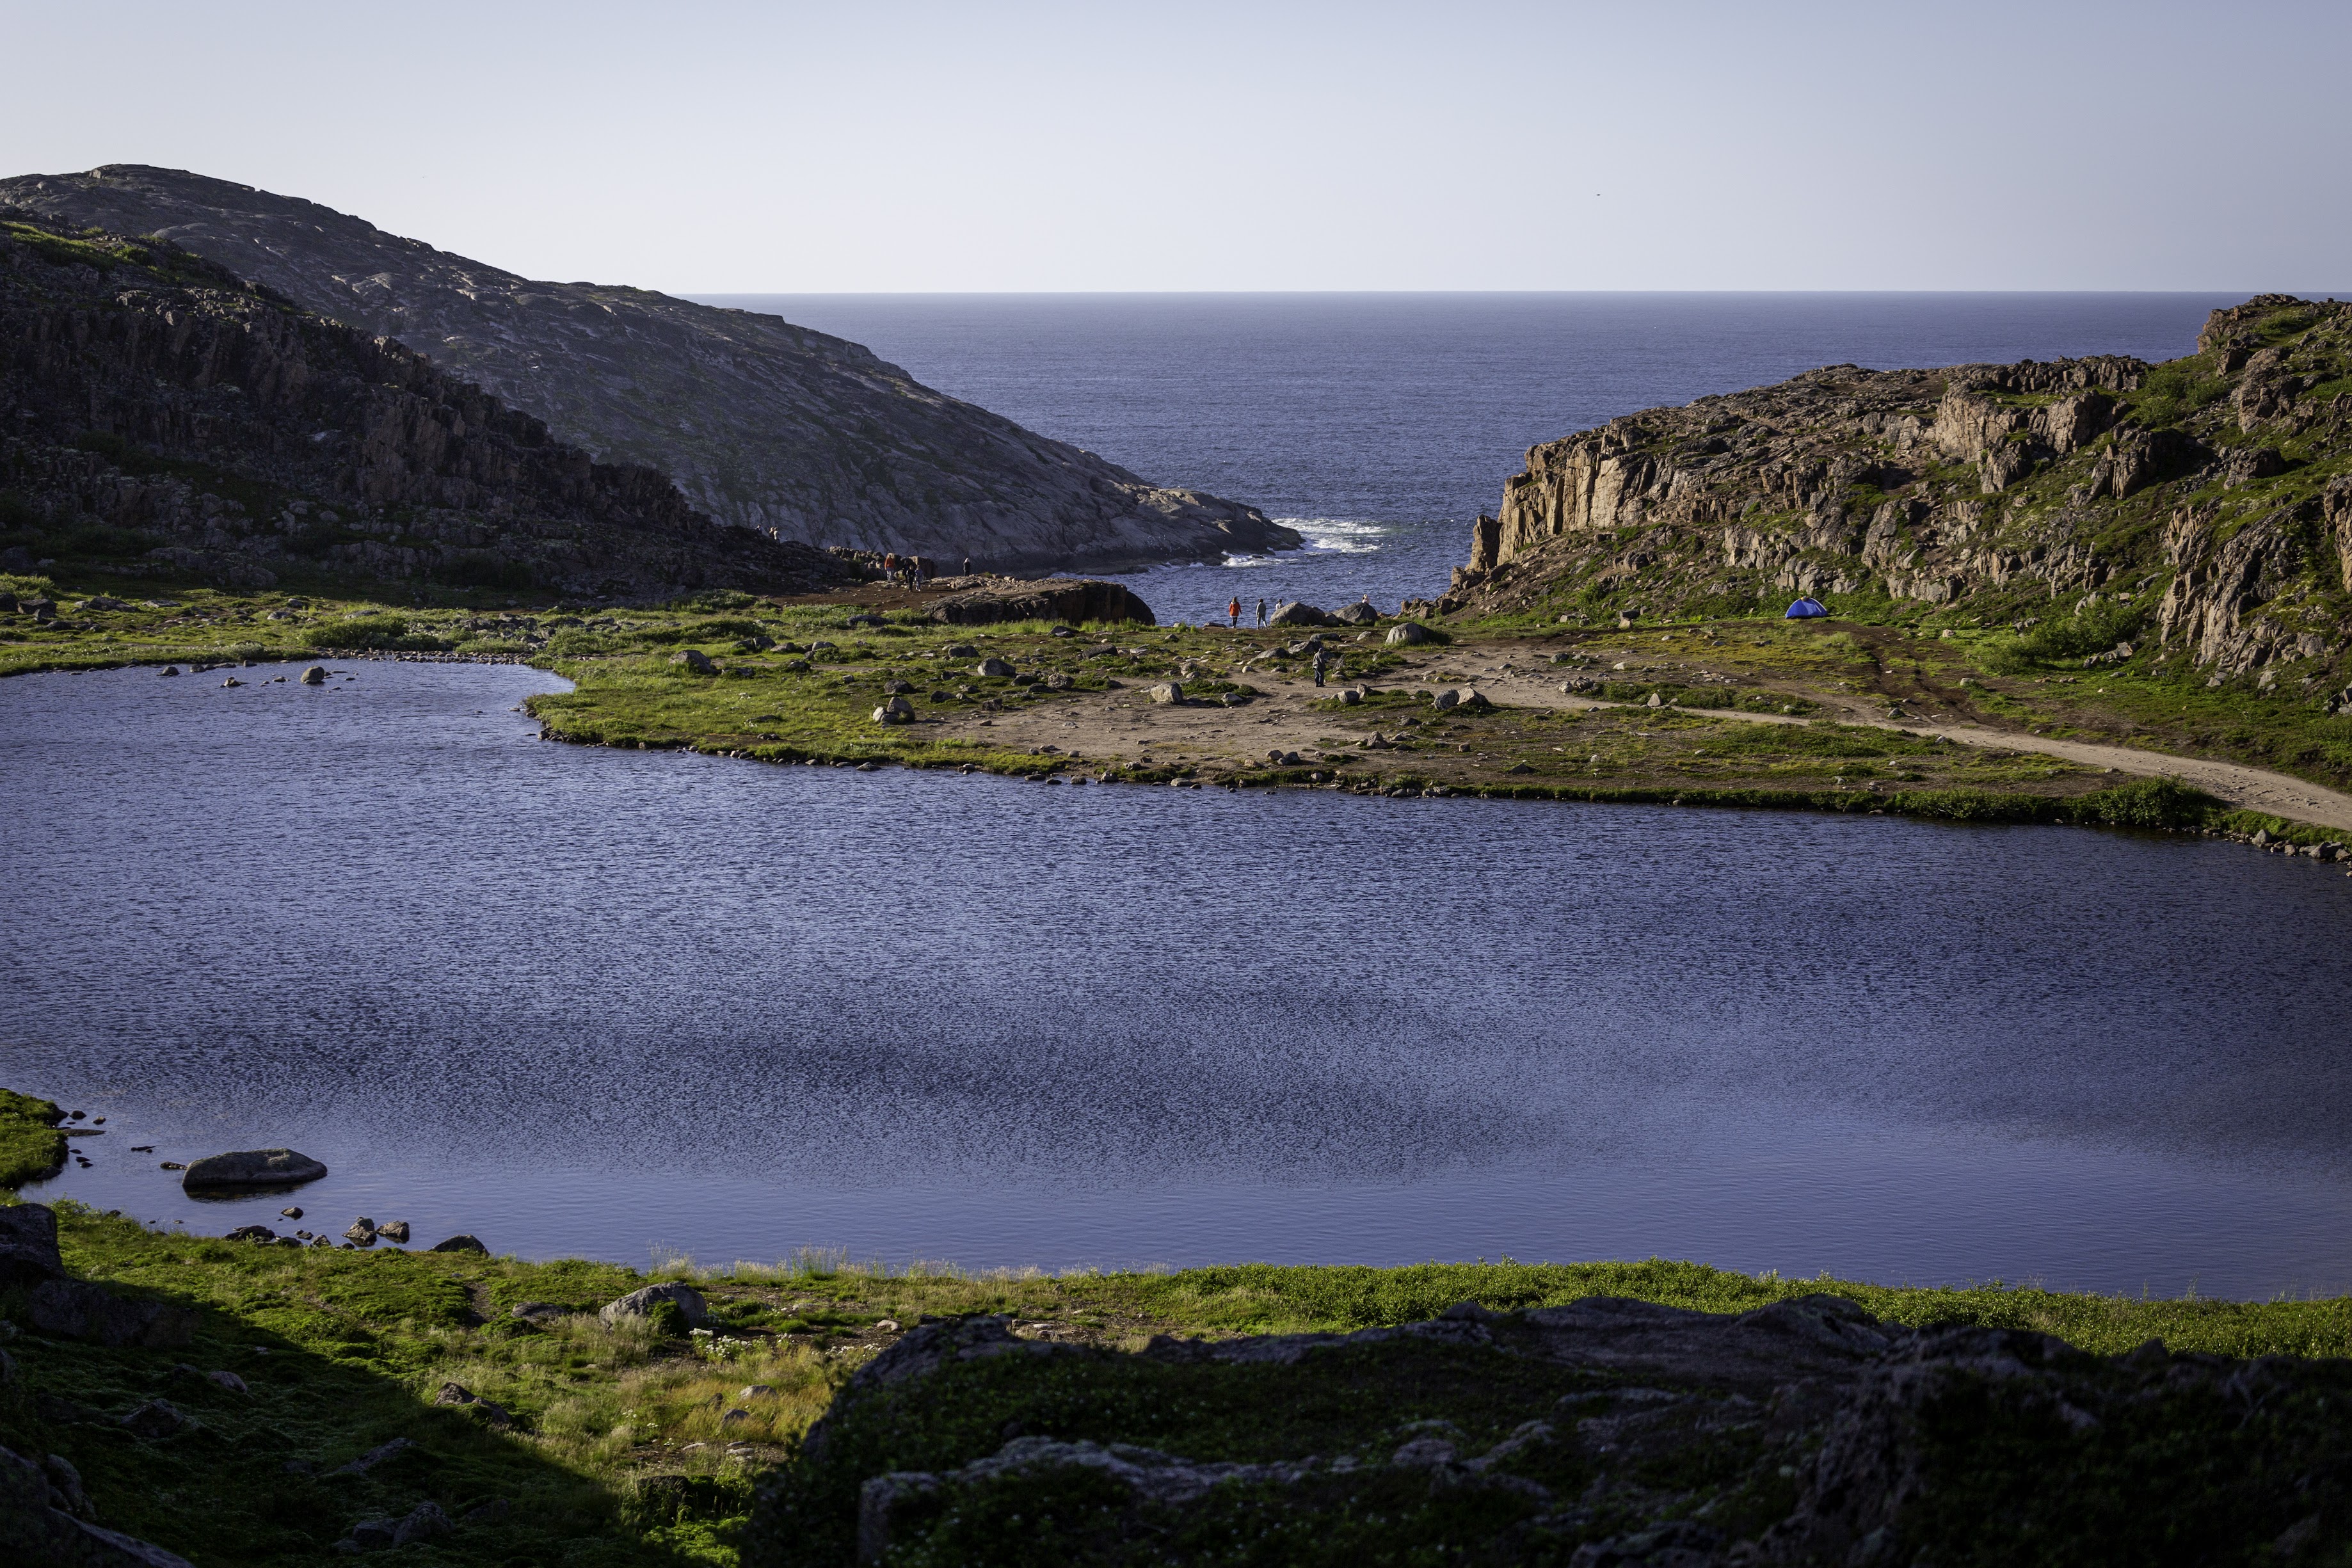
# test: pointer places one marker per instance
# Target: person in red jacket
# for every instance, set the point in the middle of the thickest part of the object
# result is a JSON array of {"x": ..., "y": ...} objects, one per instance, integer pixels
[{"x": 1233, "y": 613}]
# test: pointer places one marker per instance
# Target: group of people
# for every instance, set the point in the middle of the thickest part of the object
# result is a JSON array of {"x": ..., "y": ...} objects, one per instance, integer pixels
[{"x": 913, "y": 571}]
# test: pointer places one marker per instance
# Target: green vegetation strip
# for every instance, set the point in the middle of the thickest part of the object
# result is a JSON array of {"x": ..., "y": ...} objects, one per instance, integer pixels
[{"x": 344, "y": 1350}]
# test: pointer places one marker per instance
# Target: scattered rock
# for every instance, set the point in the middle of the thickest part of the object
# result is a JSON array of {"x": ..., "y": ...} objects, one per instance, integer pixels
[
  {"x": 897, "y": 687},
  {"x": 1349, "y": 696},
  {"x": 78, "y": 1309},
  {"x": 315, "y": 675},
  {"x": 37, "y": 1534},
  {"x": 370, "y": 1536},
  {"x": 534, "y": 1308},
  {"x": 994, "y": 669},
  {"x": 962, "y": 650},
  {"x": 489, "y": 1411},
  {"x": 251, "y": 1232},
  {"x": 1058, "y": 681},
  {"x": 363, "y": 1230},
  {"x": 156, "y": 1420},
  {"x": 227, "y": 1380},
  {"x": 252, "y": 1168},
  {"x": 1296, "y": 614},
  {"x": 1355, "y": 615},
  {"x": 642, "y": 1304},
  {"x": 898, "y": 711},
  {"x": 397, "y": 1230},
  {"x": 458, "y": 1244},
  {"x": 289, "y": 1213},
  {"x": 1166, "y": 692},
  {"x": 756, "y": 1391},
  {"x": 696, "y": 662},
  {"x": 372, "y": 1457},
  {"x": 170, "y": 670},
  {"x": 28, "y": 1245},
  {"x": 735, "y": 1417},
  {"x": 1446, "y": 698},
  {"x": 1407, "y": 634}
]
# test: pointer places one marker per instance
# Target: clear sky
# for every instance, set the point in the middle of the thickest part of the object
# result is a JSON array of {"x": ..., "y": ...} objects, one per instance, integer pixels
[{"x": 865, "y": 145}]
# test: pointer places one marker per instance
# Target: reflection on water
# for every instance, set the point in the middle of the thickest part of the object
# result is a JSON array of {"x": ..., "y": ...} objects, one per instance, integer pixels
[{"x": 585, "y": 1001}]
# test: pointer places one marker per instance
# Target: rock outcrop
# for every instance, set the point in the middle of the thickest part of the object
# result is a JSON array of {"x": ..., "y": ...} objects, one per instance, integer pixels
[
  {"x": 1602, "y": 1432},
  {"x": 762, "y": 423},
  {"x": 166, "y": 416},
  {"x": 2213, "y": 493},
  {"x": 1070, "y": 601}
]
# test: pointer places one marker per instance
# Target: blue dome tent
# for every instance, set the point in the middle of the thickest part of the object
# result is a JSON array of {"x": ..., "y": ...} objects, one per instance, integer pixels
[{"x": 1805, "y": 610}]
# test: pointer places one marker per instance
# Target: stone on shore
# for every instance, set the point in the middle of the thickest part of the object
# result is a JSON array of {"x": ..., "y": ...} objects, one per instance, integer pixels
[
  {"x": 1167, "y": 691},
  {"x": 646, "y": 1302},
  {"x": 1359, "y": 613},
  {"x": 458, "y": 1244},
  {"x": 253, "y": 1168},
  {"x": 1407, "y": 634},
  {"x": 1296, "y": 614}
]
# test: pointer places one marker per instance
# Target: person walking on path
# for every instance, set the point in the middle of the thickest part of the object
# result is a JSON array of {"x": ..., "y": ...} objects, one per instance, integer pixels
[
  {"x": 1233, "y": 614},
  {"x": 1322, "y": 661},
  {"x": 1261, "y": 612}
]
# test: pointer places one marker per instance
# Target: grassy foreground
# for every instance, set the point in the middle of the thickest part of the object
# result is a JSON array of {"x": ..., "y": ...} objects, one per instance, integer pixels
[{"x": 628, "y": 1445}]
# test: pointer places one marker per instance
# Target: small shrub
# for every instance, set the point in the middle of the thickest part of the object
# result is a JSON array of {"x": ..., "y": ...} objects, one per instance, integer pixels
[{"x": 358, "y": 631}]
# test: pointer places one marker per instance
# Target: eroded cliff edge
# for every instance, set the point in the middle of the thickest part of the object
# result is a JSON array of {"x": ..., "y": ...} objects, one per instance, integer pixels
[
  {"x": 2207, "y": 499},
  {"x": 760, "y": 422},
  {"x": 166, "y": 417}
]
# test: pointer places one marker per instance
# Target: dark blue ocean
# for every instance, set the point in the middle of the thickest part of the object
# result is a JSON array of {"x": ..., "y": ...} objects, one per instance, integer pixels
[{"x": 1380, "y": 424}]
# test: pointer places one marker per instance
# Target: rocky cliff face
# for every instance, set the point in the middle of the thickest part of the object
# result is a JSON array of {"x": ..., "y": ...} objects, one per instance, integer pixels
[
  {"x": 2212, "y": 492},
  {"x": 760, "y": 422},
  {"x": 163, "y": 415}
]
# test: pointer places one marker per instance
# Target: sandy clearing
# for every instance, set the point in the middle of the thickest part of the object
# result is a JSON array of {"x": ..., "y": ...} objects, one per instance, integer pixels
[{"x": 1127, "y": 725}]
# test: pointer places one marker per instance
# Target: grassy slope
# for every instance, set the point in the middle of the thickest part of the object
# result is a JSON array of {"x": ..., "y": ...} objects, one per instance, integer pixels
[
  {"x": 31, "y": 1147},
  {"x": 343, "y": 1351}
]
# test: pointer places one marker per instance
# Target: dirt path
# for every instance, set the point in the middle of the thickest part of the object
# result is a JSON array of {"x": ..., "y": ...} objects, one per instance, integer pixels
[{"x": 1126, "y": 726}]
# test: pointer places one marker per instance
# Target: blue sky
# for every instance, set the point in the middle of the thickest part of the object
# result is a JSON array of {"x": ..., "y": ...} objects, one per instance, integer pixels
[{"x": 735, "y": 147}]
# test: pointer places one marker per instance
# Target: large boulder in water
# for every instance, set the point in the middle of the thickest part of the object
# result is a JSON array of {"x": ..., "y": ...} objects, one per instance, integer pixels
[{"x": 253, "y": 1168}]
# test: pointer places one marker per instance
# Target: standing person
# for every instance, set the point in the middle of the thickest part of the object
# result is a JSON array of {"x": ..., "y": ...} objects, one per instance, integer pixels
[
  {"x": 1233, "y": 613},
  {"x": 1322, "y": 661},
  {"x": 1261, "y": 612},
  {"x": 967, "y": 566}
]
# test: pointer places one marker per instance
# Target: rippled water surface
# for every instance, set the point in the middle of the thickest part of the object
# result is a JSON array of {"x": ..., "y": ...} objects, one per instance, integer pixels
[{"x": 606, "y": 1002}]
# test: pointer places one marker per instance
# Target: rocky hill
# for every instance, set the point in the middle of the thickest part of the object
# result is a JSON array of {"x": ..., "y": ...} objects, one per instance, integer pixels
[
  {"x": 760, "y": 422},
  {"x": 2205, "y": 502},
  {"x": 164, "y": 416}
]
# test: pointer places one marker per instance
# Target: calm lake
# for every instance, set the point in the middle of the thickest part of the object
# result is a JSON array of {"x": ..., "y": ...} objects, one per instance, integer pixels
[{"x": 616, "y": 1003}]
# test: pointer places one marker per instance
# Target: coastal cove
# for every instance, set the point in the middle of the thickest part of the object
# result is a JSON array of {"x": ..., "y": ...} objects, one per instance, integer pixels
[{"x": 591, "y": 1002}]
